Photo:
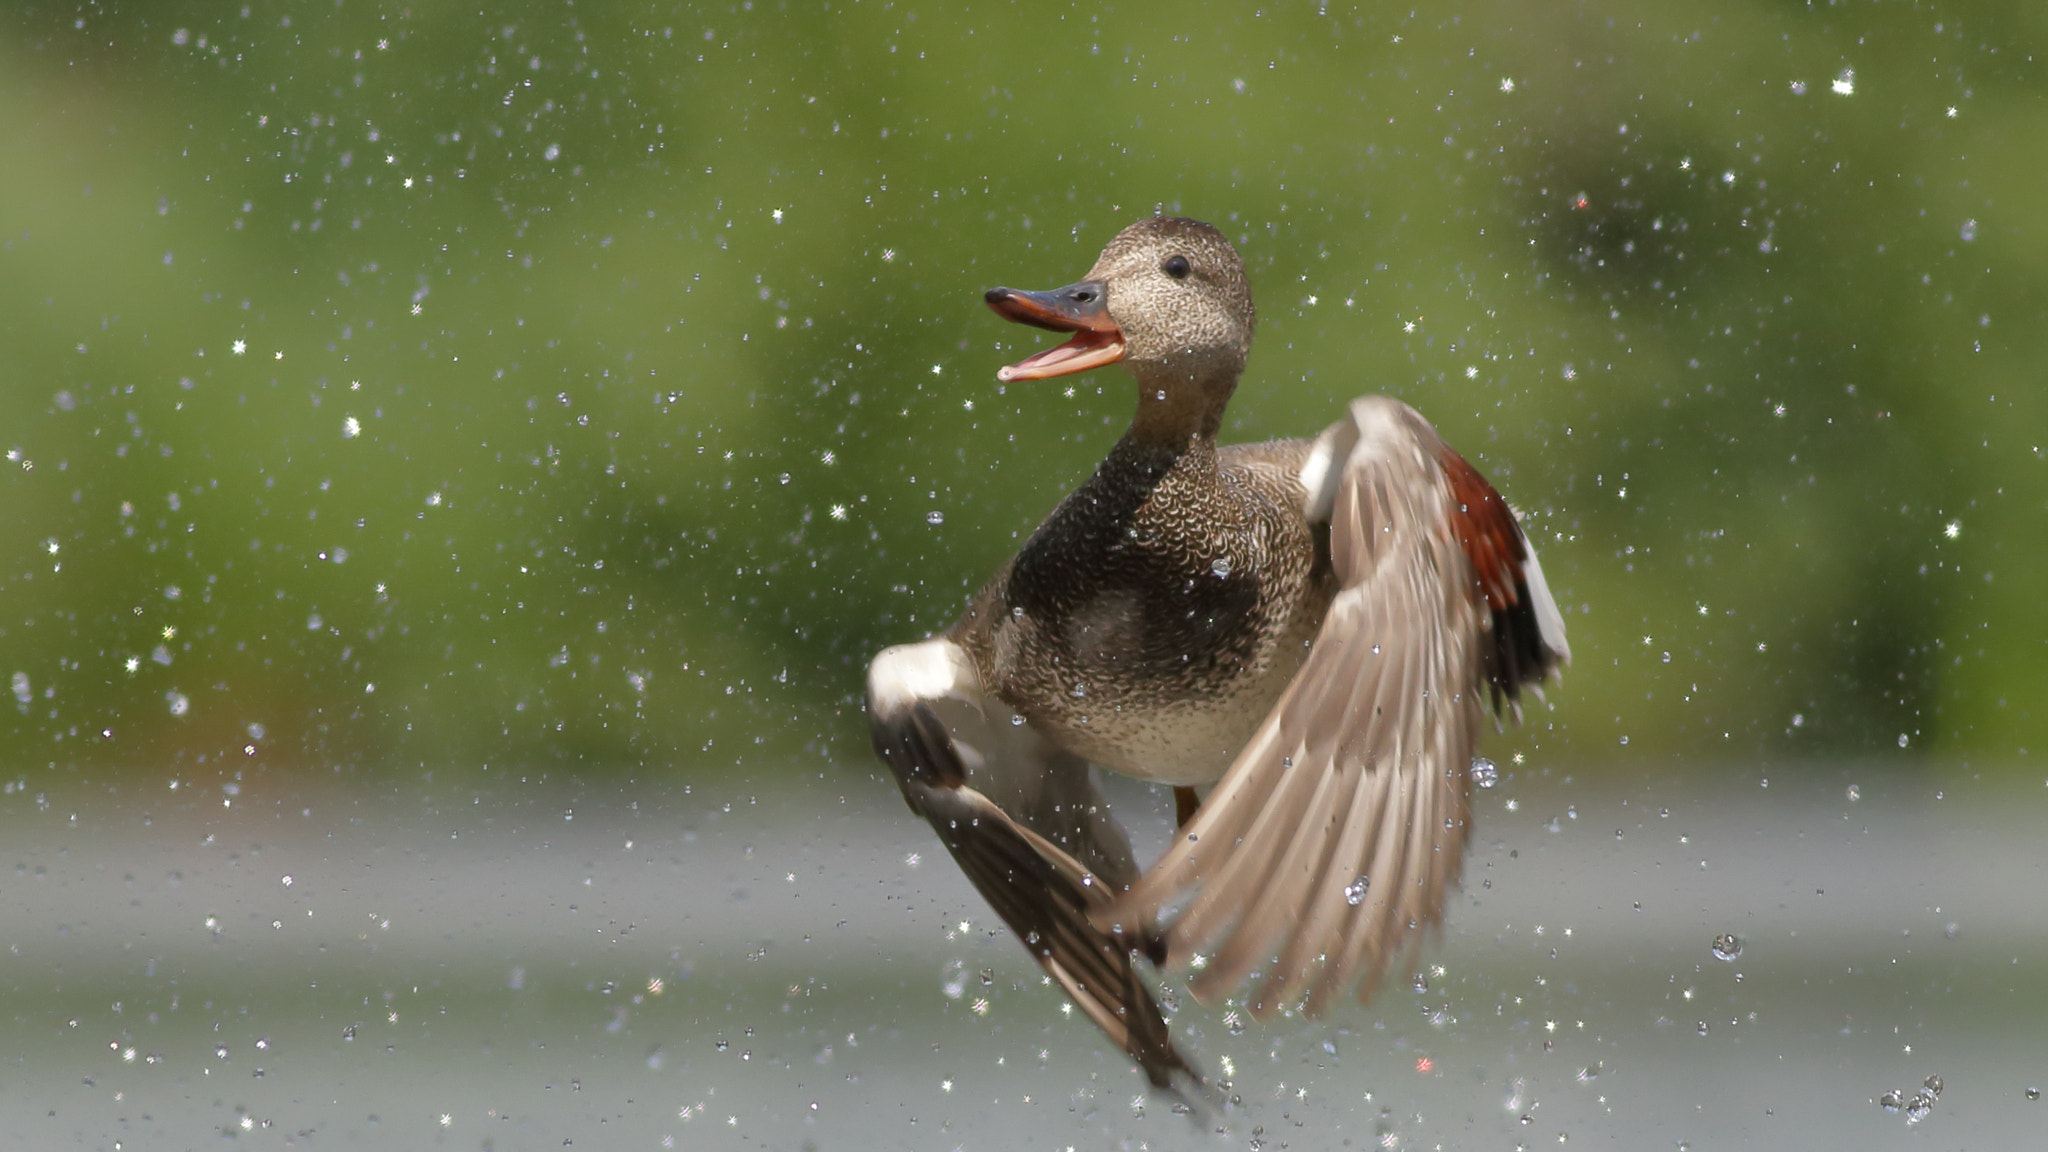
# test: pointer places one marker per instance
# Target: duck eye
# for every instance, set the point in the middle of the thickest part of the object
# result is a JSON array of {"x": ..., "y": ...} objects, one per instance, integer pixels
[{"x": 1176, "y": 267}]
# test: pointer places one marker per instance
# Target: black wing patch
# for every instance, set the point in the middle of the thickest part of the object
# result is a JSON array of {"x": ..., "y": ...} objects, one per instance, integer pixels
[{"x": 1516, "y": 652}]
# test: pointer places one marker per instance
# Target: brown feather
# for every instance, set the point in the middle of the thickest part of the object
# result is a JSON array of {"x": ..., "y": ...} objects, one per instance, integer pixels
[{"x": 1306, "y": 625}]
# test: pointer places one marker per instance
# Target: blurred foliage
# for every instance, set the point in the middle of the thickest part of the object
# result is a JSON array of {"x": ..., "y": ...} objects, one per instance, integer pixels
[{"x": 573, "y": 386}]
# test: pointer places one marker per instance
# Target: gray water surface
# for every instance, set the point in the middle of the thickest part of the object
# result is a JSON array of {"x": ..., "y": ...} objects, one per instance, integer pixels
[{"x": 800, "y": 965}]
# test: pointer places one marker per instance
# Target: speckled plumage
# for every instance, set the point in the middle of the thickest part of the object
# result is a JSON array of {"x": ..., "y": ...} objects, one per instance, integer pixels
[
  {"x": 1155, "y": 616},
  {"x": 1310, "y": 626}
]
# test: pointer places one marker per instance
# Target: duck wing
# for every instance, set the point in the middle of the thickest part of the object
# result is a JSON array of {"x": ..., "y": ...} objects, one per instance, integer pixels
[
  {"x": 1039, "y": 889},
  {"x": 1332, "y": 838}
]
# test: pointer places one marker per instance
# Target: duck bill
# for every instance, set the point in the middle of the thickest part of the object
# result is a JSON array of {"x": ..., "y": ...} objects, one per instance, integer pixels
[{"x": 1082, "y": 309}]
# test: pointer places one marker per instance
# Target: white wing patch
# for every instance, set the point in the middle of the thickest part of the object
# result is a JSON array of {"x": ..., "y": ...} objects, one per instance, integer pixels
[
  {"x": 936, "y": 669},
  {"x": 1549, "y": 621},
  {"x": 1317, "y": 475}
]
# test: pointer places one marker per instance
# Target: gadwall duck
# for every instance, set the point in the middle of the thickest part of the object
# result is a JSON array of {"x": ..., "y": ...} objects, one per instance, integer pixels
[{"x": 1309, "y": 630}]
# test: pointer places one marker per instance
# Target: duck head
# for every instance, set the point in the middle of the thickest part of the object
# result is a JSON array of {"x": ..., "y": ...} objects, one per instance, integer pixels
[{"x": 1168, "y": 299}]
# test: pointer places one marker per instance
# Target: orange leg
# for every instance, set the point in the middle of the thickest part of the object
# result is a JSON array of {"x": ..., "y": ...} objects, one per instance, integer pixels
[{"x": 1184, "y": 805}]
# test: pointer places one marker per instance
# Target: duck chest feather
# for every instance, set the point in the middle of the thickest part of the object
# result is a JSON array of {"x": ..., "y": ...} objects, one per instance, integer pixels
[{"x": 1153, "y": 618}]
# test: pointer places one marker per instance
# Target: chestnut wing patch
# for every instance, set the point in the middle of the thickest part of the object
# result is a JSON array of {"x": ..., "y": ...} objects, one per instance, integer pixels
[
  {"x": 1516, "y": 651},
  {"x": 1487, "y": 532}
]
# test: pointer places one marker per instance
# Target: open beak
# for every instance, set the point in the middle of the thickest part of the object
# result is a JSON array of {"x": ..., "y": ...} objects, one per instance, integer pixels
[{"x": 1082, "y": 309}]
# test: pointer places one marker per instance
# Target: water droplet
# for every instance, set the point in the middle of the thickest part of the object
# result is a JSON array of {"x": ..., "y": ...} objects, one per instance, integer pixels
[
  {"x": 721, "y": 1044},
  {"x": 220, "y": 1051},
  {"x": 1892, "y": 1101},
  {"x": 1933, "y": 1084},
  {"x": 1703, "y": 1027},
  {"x": 1969, "y": 231},
  {"x": 1855, "y": 793},
  {"x": 953, "y": 979},
  {"x": 1591, "y": 1072},
  {"x": 2033, "y": 1093},
  {"x": 1421, "y": 982},
  {"x": 935, "y": 517},
  {"x": 1354, "y": 892},
  {"x": 1234, "y": 1022},
  {"x": 1918, "y": 1107},
  {"x": 1016, "y": 720},
  {"x": 1485, "y": 774},
  {"x": 1727, "y": 946},
  {"x": 1169, "y": 999},
  {"x": 1220, "y": 566}
]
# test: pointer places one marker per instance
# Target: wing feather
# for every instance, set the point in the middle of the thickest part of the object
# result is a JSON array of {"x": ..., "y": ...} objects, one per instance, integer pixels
[
  {"x": 1041, "y": 891},
  {"x": 1288, "y": 877},
  {"x": 1215, "y": 906},
  {"x": 1359, "y": 771}
]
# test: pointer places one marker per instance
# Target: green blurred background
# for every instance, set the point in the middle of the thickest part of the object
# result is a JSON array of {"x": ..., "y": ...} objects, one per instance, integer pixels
[{"x": 587, "y": 388}]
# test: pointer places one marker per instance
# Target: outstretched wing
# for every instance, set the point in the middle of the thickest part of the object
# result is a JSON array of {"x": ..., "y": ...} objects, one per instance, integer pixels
[
  {"x": 1038, "y": 888},
  {"x": 1334, "y": 835}
]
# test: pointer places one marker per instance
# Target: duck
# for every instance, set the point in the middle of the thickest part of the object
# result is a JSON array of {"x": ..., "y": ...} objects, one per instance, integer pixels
[{"x": 1302, "y": 638}]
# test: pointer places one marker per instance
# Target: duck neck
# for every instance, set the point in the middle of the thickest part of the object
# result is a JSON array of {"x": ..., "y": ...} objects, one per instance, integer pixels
[{"x": 1176, "y": 408}]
